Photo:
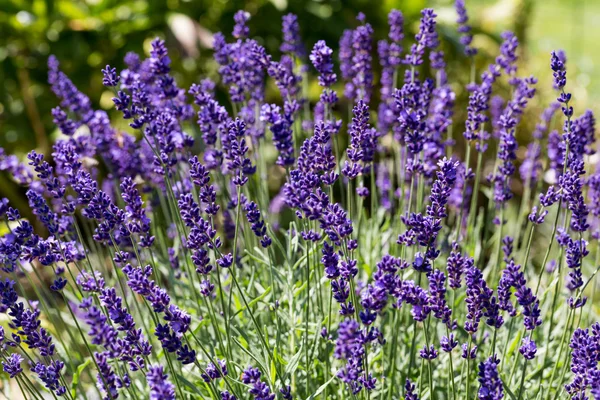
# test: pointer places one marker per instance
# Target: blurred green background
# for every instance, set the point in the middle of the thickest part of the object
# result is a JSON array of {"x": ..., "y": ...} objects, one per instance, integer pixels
[{"x": 85, "y": 35}]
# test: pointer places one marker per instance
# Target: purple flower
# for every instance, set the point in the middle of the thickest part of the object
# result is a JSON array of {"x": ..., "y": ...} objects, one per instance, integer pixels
[
  {"x": 258, "y": 389},
  {"x": 363, "y": 142},
  {"x": 320, "y": 56},
  {"x": 212, "y": 372},
  {"x": 437, "y": 296},
  {"x": 448, "y": 343},
  {"x": 572, "y": 187},
  {"x": 417, "y": 297},
  {"x": 50, "y": 376},
  {"x": 489, "y": 379},
  {"x": 160, "y": 387},
  {"x": 480, "y": 302},
  {"x": 257, "y": 224},
  {"x": 362, "y": 80},
  {"x": 528, "y": 349},
  {"x": 584, "y": 362},
  {"x": 428, "y": 353},
  {"x": 396, "y": 22},
  {"x": 349, "y": 346},
  {"x": 241, "y": 30},
  {"x": 559, "y": 71},
  {"x": 468, "y": 352},
  {"x": 106, "y": 379},
  {"x": 111, "y": 78},
  {"x": 345, "y": 58},
  {"x": 456, "y": 264},
  {"x": 427, "y": 38},
  {"x": 281, "y": 127},
  {"x": 235, "y": 152},
  {"x": 410, "y": 390},
  {"x": 464, "y": 29},
  {"x": 508, "y": 143},
  {"x": 12, "y": 365},
  {"x": 292, "y": 41},
  {"x": 424, "y": 229},
  {"x": 480, "y": 97},
  {"x": 575, "y": 251}
]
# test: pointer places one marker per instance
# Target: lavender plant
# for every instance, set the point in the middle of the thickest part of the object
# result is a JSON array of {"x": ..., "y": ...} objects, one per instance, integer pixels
[{"x": 237, "y": 250}]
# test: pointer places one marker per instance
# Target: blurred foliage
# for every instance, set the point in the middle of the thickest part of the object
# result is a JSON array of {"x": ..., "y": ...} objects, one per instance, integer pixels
[{"x": 86, "y": 35}]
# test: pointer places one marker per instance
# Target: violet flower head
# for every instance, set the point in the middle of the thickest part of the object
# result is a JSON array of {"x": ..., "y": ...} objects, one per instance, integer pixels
[
  {"x": 345, "y": 58},
  {"x": 292, "y": 41},
  {"x": 321, "y": 58},
  {"x": 508, "y": 53},
  {"x": 584, "y": 362},
  {"x": 50, "y": 375},
  {"x": 281, "y": 127},
  {"x": 427, "y": 38},
  {"x": 390, "y": 58},
  {"x": 456, "y": 265},
  {"x": 362, "y": 79},
  {"x": 437, "y": 297},
  {"x": 528, "y": 349},
  {"x": 241, "y": 30},
  {"x": 559, "y": 71},
  {"x": 396, "y": 23},
  {"x": 12, "y": 365},
  {"x": 572, "y": 186},
  {"x": 111, "y": 79},
  {"x": 576, "y": 250},
  {"x": 464, "y": 28},
  {"x": 489, "y": 379},
  {"x": 235, "y": 152},
  {"x": 424, "y": 230},
  {"x": 428, "y": 353},
  {"x": 257, "y": 223},
  {"x": 160, "y": 387},
  {"x": 363, "y": 142},
  {"x": 212, "y": 372},
  {"x": 258, "y": 389},
  {"x": 410, "y": 390},
  {"x": 524, "y": 91}
]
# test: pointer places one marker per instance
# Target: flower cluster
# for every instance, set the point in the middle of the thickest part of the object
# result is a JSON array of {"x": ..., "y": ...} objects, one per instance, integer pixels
[{"x": 333, "y": 255}]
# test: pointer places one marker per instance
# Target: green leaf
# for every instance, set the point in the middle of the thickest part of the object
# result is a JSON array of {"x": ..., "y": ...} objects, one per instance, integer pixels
[
  {"x": 189, "y": 385},
  {"x": 550, "y": 286},
  {"x": 507, "y": 389},
  {"x": 255, "y": 300},
  {"x": 320, "y": 389},
  {"x": 255, "y": 258},
  {"x": 76, "y": 376},
  {"x": 259, "y": 362},
  {"x": 294, "y": 361},
  {"x": 514, "y": 344}
]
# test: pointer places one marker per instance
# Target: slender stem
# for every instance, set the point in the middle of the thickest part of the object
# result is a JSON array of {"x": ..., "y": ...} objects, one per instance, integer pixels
[
  {"x": 467, "y": 382},
  {"x": 429, "y": 361},
  {"x": 464, "y": 191},
  {"x": 522, "y": 384}
]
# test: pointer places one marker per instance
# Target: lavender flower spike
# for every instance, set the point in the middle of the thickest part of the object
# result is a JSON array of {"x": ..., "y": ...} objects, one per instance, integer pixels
[{"x": 464, "y": 29}]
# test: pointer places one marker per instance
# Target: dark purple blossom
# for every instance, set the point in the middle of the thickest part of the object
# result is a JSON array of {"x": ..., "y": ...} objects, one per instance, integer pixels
[
  {"x": 427, "y": 38},
  {"x": 258, "y": 389},
  {"x": 464, "y": 28},
  {"x": 528, "y": 349},
  {"x": 489, "y": 379},
  {"x": 584, "y": 362},
  {"x": 292, "y": 41},
  {"x": 12, "y": 365},
  {"x": 111, "y": 78},
  {"x": 160, "y": 387}
]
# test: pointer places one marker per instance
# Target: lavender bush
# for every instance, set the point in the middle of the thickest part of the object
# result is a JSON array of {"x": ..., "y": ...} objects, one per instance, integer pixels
[{"x": 244, "y": 251}]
